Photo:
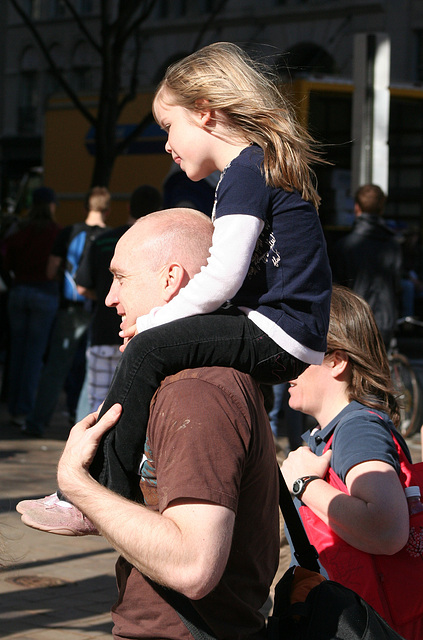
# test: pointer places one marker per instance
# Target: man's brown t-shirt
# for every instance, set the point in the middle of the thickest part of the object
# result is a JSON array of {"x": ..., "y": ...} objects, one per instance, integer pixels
[{"x": 208, "y": 438}]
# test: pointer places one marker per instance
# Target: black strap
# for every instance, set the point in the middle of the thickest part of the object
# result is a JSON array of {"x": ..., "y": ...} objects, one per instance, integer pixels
[
  {"x": 195, "y": 624},
  {"x": 304, "y": 552}
]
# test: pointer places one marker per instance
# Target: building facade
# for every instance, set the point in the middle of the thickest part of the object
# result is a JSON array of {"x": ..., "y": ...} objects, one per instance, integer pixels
[{"x": 311, "y": 42}]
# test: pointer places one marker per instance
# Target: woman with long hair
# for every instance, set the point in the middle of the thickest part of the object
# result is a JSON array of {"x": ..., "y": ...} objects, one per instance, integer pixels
[{"x": 347, "y": 480}]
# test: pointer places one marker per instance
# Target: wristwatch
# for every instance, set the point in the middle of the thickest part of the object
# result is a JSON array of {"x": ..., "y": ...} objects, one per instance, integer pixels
[{"x": 300, "y": 485}]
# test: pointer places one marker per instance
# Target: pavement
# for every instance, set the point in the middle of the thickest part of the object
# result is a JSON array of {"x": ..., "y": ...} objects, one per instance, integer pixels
[
  {"x": 57, "y": 587},
  {"x": 51, "y": 587}
]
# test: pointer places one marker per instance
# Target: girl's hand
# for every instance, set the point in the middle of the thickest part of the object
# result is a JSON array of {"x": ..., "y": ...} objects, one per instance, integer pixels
[
  {"x": 303, "y": 462},
  {"x": 127, "y": 334},
  {"x": 82, "y": 445}
]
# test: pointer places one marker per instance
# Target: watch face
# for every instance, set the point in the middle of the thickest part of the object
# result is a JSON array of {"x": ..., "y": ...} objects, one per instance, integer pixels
[{"x": 297, "y": 487}]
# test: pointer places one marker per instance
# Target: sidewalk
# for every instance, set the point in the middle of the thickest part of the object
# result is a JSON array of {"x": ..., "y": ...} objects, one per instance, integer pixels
[{"x": 52, "y": 587}]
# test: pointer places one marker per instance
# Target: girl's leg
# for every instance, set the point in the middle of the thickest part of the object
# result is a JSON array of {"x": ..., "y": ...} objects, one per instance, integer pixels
[{"x": 225, "y": 338}]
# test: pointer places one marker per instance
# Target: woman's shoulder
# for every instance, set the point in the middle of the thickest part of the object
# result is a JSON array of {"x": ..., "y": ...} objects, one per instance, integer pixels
[
  {"x": 357, "y": 411},
  {"x": 362, "y": 435},
  {"x": 361, "y": 421}
]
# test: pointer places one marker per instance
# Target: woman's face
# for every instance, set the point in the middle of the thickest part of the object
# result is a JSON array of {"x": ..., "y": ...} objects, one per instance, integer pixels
[{"x": 309, "y": 391}]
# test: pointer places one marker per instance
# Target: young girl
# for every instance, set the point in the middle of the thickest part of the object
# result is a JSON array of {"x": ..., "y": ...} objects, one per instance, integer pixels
[{"x": 268, "y": 257}]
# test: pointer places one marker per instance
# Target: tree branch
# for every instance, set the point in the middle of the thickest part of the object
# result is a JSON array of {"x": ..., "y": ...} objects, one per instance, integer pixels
[
  {"x": 56, "y": 71},
  {"x": 127, "y": 9},
  {"x": 207, "y": 23},
  {"x": 82, "y": 26},
  {"x": 132, "y": 91}
]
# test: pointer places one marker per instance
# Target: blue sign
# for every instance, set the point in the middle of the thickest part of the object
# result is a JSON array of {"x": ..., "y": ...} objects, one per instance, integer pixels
[{"x": 152, "y": 139}]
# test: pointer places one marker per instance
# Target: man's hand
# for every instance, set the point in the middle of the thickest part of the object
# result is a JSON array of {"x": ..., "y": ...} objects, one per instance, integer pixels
[
  {"x": 81, "y": 446},
  {"x": 127, "y": 334},
  {"x": 303, "y": 462}
]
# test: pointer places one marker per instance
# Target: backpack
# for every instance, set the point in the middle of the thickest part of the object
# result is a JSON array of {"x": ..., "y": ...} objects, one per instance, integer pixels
[
  {"x": 73, "y": 257},
  {"x": 81, "y": 239}
]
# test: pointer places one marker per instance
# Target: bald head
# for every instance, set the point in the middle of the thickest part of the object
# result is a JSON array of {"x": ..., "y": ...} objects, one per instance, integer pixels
[
  {"x": 173, "y": 235},
  {"x": 155, "y": 258}
]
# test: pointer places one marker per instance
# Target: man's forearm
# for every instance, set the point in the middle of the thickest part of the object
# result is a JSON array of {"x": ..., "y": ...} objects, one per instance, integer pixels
[
  {"x": 157, "y": 545},
  {"x": 185, "y": 548}
]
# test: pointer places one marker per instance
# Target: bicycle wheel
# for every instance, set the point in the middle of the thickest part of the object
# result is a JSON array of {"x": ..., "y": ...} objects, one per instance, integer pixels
[{"x": 409, "y": 395}]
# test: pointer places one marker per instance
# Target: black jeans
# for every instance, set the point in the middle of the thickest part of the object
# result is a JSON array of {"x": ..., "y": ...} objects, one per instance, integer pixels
[{"x": 225, "y": 338}]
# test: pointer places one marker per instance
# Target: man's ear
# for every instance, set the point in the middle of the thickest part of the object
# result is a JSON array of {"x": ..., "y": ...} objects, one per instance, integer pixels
[{"x": 174, "y": 277}]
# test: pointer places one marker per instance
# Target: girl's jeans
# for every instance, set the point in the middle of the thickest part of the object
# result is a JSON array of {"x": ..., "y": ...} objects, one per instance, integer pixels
[{"x": 225, "y": 338}]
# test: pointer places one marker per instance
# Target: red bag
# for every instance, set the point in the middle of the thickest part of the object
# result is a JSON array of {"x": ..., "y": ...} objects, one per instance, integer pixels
[{"x": 393, "y": 585}]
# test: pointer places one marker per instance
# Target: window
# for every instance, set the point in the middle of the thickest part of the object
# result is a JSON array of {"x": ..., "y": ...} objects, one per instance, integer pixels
[
  {"x": 53, "y": 84},
  {"x": 58, "y": 8},
  {"x": 171, "y": 9},
  {"x": 82, "y": 79},
  {"x": 82, "y": 67},
  {"x": 85, "y": 7},
  {"x": 419, "y": 57},
  {"x": 28, "y": 102},
  {"x": 33, "y": 8},
  {"x": 28, "y": 97},
  {"x": 162, "y": 9},
  {"x": 180, "y": 8}
]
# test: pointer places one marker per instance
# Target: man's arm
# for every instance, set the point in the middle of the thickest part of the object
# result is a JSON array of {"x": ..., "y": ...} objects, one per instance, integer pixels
[{"x": 185, "y": 548}]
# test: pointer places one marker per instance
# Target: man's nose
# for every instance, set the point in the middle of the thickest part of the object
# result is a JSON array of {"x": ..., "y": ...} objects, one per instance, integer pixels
[{"x": 111, "y": 298}]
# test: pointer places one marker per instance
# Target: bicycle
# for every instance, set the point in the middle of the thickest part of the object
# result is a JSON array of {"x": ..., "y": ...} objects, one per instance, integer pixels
[{"x": 406, "y": 384}]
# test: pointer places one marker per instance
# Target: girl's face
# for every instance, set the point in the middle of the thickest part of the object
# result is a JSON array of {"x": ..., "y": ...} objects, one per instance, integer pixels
[{"x": 189, "y": 142}]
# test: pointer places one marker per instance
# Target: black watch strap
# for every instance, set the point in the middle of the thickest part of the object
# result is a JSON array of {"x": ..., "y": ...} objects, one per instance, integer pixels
[{"x": 300, "y": 485}]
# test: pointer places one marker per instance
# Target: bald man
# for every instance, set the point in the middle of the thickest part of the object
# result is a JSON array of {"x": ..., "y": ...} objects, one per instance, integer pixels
[{"x": 208, "y": 527}]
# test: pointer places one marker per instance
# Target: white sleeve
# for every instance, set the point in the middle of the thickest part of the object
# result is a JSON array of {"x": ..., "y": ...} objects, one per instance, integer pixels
[{"x": 234, "y": 240}]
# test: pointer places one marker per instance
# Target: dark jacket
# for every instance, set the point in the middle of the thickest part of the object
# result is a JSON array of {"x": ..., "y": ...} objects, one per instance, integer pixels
[{"x": 368, "y": 260}]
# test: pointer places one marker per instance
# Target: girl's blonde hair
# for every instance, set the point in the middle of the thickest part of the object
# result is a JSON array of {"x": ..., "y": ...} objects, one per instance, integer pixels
[
  {"x": 244, "y": 91},
  {"x": 352, "y": 328}
]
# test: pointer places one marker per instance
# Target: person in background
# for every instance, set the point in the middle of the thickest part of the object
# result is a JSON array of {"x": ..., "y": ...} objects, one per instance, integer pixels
[
  {"x": 93, "y": 280},
  {"x": 412, "y": 269},
  {"x": 74, "y": 315},
  {"x": 283, "y": 420},
  {"x": 180, "y": 191},
  {"x": 352, "y": 399},
  {"x": 33, "y": 301},
  {"x": 368, "y": 260}
]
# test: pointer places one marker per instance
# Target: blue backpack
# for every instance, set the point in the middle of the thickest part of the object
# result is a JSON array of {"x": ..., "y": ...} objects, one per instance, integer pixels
[{"x": 73, "y": 258}]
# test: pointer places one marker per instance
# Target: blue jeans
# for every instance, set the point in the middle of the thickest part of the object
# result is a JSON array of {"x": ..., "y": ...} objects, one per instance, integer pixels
[
  {"x": 225, "y": 338},
  {"x": 32, "y": 310},
  {"x": 71, "y": 323}
]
